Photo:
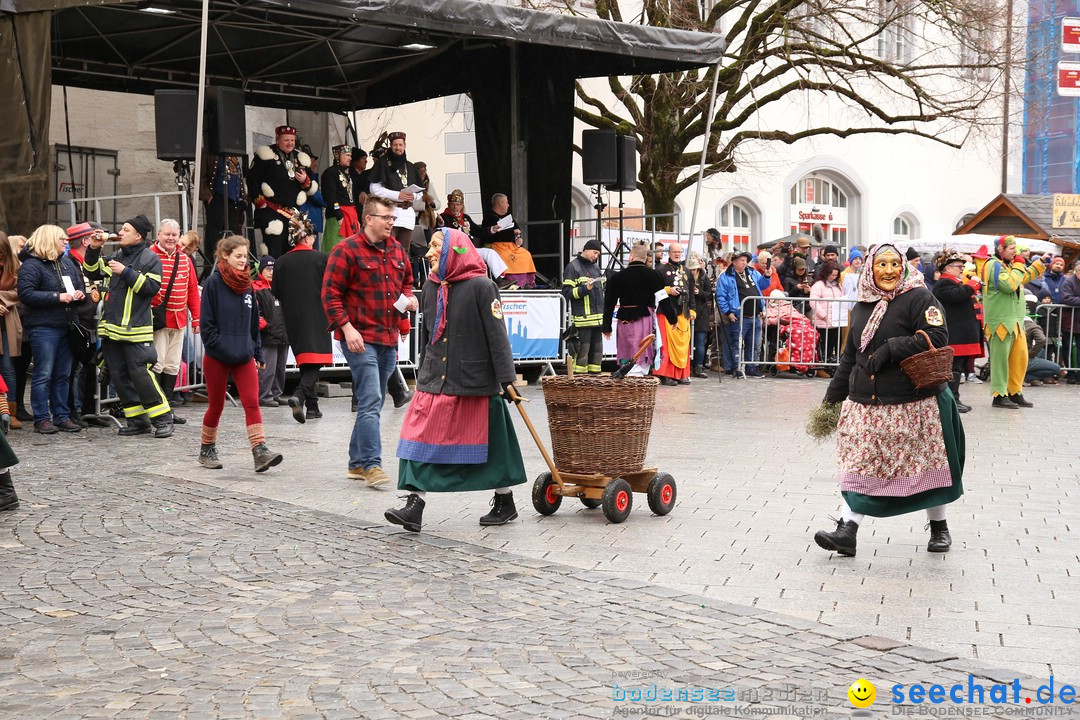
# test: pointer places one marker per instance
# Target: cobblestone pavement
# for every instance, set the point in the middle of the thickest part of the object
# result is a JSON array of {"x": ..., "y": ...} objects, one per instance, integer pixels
[{"x": 138, "y": 584}]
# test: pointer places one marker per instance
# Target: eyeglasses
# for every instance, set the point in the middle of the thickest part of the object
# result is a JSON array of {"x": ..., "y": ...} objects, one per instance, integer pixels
[{"x": 384, "y": 218}]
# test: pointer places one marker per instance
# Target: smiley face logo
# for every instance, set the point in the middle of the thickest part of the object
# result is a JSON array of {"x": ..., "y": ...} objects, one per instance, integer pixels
[{"x": 862, "y": 693}]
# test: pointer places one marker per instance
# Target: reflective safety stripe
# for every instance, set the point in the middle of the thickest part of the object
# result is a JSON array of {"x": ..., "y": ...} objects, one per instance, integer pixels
[
  {"x": 593, "y": 368},
  {"x": 134, "y": 411}
]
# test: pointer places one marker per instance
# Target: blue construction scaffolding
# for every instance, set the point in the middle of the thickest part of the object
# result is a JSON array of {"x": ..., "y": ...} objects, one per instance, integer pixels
[{"x": 1051, "y": 147}]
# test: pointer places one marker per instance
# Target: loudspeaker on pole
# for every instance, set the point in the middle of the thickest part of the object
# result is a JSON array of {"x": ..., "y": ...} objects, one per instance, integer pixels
[
  {"x": 226, "y": 121},
  {"x": 174, "y": 124},
  {"x": 599, "y": 160},
  {"x": 626, "y": 161}
]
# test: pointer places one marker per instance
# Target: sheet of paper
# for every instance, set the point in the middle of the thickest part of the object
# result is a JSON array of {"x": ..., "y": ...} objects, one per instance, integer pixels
[
  {"x": 414, "y": 189},
  {"x": 506, "y": 222},
  {"x": 401, "y": 302},
  {"x": 68, "y": 286}
]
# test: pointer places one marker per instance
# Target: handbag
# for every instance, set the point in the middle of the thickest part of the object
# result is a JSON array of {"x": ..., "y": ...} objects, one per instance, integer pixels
[
  {"x": 81, "y": 342},
  {"x": 159, "y": 311}
]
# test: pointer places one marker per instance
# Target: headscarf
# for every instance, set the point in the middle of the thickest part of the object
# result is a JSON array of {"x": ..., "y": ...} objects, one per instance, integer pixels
[
  {"x": 458, "y": 261},
  {"x": 868, "y": 291}
]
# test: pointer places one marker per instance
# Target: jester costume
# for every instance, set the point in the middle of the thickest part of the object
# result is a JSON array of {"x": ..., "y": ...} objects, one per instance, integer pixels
[{"x": 1004, "y": 309}]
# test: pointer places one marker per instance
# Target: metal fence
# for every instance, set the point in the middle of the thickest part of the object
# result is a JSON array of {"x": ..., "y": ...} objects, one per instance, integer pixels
[
  {"x": 93, "y": 211},
  {"x": 1058, "y": 322},
  {"x": 786, "y": 335}
]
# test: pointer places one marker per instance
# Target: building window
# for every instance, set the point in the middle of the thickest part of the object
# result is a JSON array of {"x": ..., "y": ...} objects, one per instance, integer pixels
[
  {"x": 735, "y": 223},
  {"x": 897, "y": 39},
  {"x": 905, "y": 228},
  {"x": 820, "y": 207}
]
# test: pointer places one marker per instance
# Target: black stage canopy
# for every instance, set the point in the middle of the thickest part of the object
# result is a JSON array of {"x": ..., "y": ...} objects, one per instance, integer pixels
[
  {"x": 518, "y": 66},
  {"x": 324, "y": 55}
]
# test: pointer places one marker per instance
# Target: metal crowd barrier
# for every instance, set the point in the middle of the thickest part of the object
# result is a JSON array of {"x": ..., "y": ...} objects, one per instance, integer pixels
[
  {"x": 1062, "y": 344},
  {"x": 789, "y": 323}
]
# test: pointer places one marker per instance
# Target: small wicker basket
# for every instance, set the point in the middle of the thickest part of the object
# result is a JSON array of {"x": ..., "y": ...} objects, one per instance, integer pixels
[
  {"x": 599, "y": 425},
  {"x": 930, "y": 367}
]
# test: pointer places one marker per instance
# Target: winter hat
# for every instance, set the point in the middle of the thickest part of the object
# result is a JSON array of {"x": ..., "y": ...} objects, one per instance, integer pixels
[
  {"x": 77, "y": 232},
  {"x": 854, "y": 254},
  {"x": 593, "y": 245},
  {"x": 799, "y": 263},
  {"x": 266, "y": 262},
  {"x": 911, "y": 254},
  {"x": 945, "y": 257},
  {"x": 142, "y": 225},
  {"x": 831, "y": 249}
]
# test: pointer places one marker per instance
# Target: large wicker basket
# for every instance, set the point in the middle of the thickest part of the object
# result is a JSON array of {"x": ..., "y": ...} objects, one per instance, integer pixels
[
  {"x": 599, "y": 425},
  {"x": 930, "y": 367}
]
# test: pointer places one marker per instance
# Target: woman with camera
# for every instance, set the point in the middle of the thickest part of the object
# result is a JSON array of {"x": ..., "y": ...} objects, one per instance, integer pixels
[{"x": 49, "y": 288}]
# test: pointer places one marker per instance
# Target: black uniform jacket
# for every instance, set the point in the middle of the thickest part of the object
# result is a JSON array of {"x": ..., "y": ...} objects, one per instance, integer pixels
[
  {"x": 914, "y": 310},
  {"x": 634, "y": 288},
  {"x": 472, "y": 357}
]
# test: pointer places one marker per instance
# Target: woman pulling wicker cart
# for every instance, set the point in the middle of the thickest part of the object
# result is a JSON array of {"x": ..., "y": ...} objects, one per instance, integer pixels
[{"x": 599, "y": 434}]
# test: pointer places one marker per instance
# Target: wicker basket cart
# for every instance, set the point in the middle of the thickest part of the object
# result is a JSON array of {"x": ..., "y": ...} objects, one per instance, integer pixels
[{"x": 599, "y": 434}]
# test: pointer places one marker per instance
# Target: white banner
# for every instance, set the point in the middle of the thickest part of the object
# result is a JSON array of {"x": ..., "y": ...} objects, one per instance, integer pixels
[{"x": 534, "y": 323}]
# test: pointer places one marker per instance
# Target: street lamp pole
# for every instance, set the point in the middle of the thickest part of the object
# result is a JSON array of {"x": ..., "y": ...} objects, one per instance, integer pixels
[{"x": 1005, "y": 104}]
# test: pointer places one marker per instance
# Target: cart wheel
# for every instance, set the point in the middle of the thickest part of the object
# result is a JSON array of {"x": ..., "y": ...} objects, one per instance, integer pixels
[
  {"x": 545, "y": 499},
  {"x": 662, "y": 492},
  {"x": 617, "y": 501},
  {"x": 591, "y": 502},
  {"x": 774, "y": 371}
]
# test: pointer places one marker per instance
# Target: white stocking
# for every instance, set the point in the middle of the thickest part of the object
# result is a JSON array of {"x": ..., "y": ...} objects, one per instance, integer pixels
[
  {"x": 935, "y": 513},
  {"x": 848, "y": 514}
]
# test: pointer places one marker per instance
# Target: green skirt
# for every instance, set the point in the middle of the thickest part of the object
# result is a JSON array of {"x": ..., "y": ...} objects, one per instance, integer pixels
[
  {"x": 953, "y": 432},
  {"x": 331, "y": 234},
  {"x": 503, "y": 468}
]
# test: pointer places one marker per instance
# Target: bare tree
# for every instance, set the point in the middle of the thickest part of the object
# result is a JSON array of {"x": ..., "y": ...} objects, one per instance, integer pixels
[{"x": 896, "y": 67}]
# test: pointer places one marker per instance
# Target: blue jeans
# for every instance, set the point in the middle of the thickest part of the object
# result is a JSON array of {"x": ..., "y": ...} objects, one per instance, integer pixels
[
  {"x": 750, "y": 328},
  {"x": 52, "y": 373},
  {"x": 370, "y": 371},
  {"x": 1040, "y": 368},
  {"x": 729, "y": 345},
  {"x": 701, "y": 344}
]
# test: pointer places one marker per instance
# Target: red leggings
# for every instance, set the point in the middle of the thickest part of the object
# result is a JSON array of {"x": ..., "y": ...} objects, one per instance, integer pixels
[{"x": 245, "y": 376}]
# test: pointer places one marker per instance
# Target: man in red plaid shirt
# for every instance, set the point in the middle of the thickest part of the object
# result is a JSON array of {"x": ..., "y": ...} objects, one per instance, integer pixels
[{"x": 365, "y": 276}]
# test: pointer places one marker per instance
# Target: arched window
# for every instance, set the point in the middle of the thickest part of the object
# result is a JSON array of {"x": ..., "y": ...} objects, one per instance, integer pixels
[
  {"x": 735, "y": 225},
  {"x": 820, "y": 206},
  {"x": 905, "y": 228}
]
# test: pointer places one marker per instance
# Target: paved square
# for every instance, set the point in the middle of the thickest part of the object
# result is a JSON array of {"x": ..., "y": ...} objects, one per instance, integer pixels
[{"x": 138, "y": 584}]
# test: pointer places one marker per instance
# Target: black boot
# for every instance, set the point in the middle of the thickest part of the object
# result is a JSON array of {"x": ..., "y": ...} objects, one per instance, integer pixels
[
  {"x": 139, "y": 425},
  {"x": 1018, "y": 399},
  {"x": 1000, "y": 401},
  {"x": 502, "y": 510},
  {"x": 163, "y": 425},
  {"x": 265, "y": 458},
  {"x": 954, "y": 385},
  {"x": 698, "y": 372},
  {"x": 411, "y": 516},
  {"x": 940, "y": 540},
  {"x": 841, "y": 540},
  {"x": 168, "y": 387},
  {"x": 296, "y": 405},
  {"x": 399, "y": 391},
  {"x": 8, "y": 499},
  {"x": 208, "y": 456}
]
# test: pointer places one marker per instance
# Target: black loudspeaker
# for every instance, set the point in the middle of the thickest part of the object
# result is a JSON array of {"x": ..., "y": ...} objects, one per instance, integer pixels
[
  {"x": 226, "y": 123},
  {"x": 174, "y": 124},
  {"x": 599, "y": 162},
  {"x": 626, "y": 156}
]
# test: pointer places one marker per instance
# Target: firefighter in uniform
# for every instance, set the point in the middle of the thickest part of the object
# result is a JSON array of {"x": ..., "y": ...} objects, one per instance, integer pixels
[
  {"x": 133, "y": 276},
  {"x": 583, "y": 289}
]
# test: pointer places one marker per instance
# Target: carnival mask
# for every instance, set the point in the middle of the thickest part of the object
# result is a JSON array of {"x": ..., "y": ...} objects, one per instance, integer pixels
[{"x": 888, "y": 270}]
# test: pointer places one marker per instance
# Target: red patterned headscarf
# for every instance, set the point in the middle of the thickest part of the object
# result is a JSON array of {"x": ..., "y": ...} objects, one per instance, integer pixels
[
  {"x": 458, "y": 261},
  {"x": 868, "y": 291}
]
